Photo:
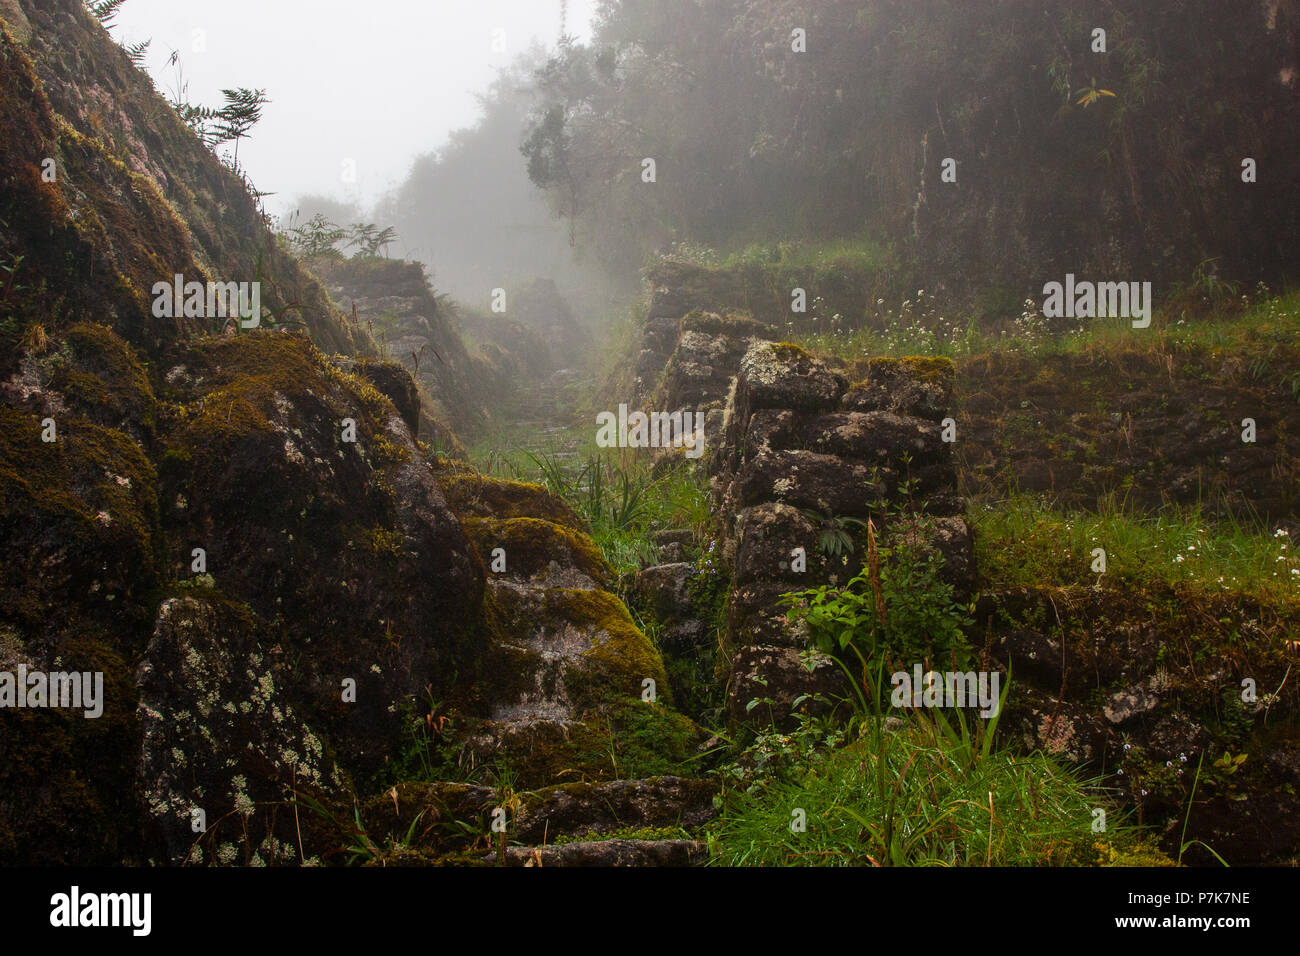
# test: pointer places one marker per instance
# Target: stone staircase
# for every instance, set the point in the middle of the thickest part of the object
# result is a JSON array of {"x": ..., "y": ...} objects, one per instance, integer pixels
[{"x": 566, "y": 670}]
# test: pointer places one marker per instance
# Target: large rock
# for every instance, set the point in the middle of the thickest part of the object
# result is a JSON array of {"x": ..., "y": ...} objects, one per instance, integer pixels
[
  {"x": 767, "y": 537},
  {"x": 320, "y": 536},
  {"x": 922, "y": 387},
  {"x": 785, "y": 376},
  {"x": 606, "y": 853},
  {"x": 666, "y": 590},
  {"x": 806, "y": 479},
  {"x": 219, "y": 737},
  {"x": 705, "y": 360}
]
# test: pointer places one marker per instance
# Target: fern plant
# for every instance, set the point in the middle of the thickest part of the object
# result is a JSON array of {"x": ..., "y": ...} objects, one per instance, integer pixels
[
  {"x": 105, "y": 11},
  {"x": 835, "y": 540},
  {"x": 137, "y": 51}
]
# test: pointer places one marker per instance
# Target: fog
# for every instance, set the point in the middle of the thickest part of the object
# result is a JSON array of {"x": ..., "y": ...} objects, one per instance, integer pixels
[{"x": 379, "y": 82}]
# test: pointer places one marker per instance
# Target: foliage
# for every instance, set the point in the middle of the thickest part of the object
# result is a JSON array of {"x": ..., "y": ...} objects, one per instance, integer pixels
[
  {"x": 834, "y": 538},
  {"x": 316, "y": 237},
  {"x": 234, "y": 121},
  {"x": 901, "y": 612},
  {"x": 917, "y": 792},
  {"x": 137, "y": 52},
  {"x": 1024, "y": 542},
  {"x": 620, "y": 497},
  {"x": 105, "y": 11},
  {"x": 1261, "y": 325},
  {"x": 319, "y": 236},
  {"x": 369, "y": 240},
  {"x": 854, "y": 130}
]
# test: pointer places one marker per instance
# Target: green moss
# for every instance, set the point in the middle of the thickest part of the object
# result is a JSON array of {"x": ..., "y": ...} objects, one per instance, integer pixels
[
  {"x": 627, "y": 833},
  {"x": 65, "y": 771},
  {"x": 94, "y": 482},
  {"x": 617, "y": 739},
  {"x": 651, "y": 739},
  {"x": 931, "y": 369},
  {"x": 473, "y": 495},
  {"x": 617, "y": 734},
  {"x": 1134, "y": 851},
  {"x": 729, "y": 323},
  {"x": 385, "y": 542},
  {"x": 531, "y": 544},
  {"x": 625, "y": 657},
  {"x": 253, "y": 378},
  {"x": 926, "y": 369}
]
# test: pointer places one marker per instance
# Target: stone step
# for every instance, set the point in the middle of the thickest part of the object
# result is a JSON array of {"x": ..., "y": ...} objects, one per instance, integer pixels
[
  {"x": 608, "y": 853},
  {"x": 574, "y": 810}
]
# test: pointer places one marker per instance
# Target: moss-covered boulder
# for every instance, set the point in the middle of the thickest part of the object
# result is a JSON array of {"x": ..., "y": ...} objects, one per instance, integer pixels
[
  {"x": 532, "y": 549},
  {"x": 564, "y": 686},
  {"x": 79, "y": 546},
  {"x": 472, "y": 495},
  {"x": 392, "y": 381},
  {"x": 916, "y": 385},
  {"x": 220, "y": 745},
  {"x": 312, "y": 505}
]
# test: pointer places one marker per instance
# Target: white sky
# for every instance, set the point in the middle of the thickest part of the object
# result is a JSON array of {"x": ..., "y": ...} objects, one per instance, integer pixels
[{"x": 375, "y": 81}]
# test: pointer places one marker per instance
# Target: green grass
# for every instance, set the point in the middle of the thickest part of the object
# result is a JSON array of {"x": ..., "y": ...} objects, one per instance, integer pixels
[
  {"x": 1024, "y": 542},
  {"x": 613, "y": 490},
  {"x": 859, "y": 254},
  {"x": 917, "y": 327},
  {"x": 918, "y": 795},
  {"x": 849, "y": 254}
]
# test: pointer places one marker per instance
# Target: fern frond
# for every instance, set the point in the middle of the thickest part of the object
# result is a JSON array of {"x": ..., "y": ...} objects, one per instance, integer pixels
[
  {"x": 104, "y": 10},
  {"x": 136, "y": 52}
]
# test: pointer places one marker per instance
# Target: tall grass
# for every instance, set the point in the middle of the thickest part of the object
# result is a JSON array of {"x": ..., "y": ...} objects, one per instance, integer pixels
[
  {"x": 924, "y": 789},
  {"x": 614, "y": 490},
  {"x": 916, "y": 792}
]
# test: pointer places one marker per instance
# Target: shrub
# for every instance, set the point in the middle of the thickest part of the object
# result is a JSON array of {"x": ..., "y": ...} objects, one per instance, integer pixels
[{"x": 898, "y": 608}]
